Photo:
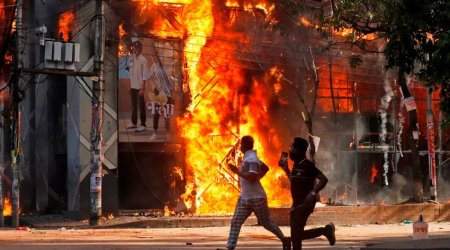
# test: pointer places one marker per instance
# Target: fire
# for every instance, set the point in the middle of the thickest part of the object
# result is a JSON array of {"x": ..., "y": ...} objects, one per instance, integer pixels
[
  {"x": 250, "y": 6},
  {"x": 8, "y": 58},
  {"x": 374, "y": 173},
  {"x": 122, "y": 50},
  {"x": 430, "y": 37},
  {"x": 232, "y": 3},
  {"x": 344, "y": 32},
  {"x": 277, "y": 73},
  {"x": 7, "y": 206},
  {"x": 121, "y": 30},
  {"x": 166, "y": 211},
  {"x": 305, "y": 21},
  {"x": 226, "y": 104},
  {"x": 64, "y": 24},
  {"x": 166, "y": 26}
]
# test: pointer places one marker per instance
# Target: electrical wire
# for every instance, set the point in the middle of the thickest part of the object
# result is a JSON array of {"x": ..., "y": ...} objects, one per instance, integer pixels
[
  {"x": 8, "y": 6},
  {"x": 239, "y": 44}
]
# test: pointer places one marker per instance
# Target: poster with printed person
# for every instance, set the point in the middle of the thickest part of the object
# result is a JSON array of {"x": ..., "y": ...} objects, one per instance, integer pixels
[{"x": 150, "y": 90}]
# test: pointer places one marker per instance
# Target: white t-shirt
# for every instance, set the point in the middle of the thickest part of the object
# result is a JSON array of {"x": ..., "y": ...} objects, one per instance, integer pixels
[
  {"x": 251, "y": 189},
  {"x": 138, "y": 70}
]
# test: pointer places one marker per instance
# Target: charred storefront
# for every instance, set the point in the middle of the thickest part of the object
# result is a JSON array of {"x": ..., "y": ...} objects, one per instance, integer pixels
[
  {"x": 215, "y": 71},
  {"x": 237, "y": 77},
  {"x": 151, "y": 162}
]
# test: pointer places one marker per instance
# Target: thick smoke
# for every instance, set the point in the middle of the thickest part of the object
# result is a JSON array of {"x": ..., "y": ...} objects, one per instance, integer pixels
[{"x": 384, "y": 107}]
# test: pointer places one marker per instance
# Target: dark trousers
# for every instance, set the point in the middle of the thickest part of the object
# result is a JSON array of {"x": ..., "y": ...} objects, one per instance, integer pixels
[
  {"x": 299, "y": 216},
  {"x": 157, "y": 115},
  {"x": 135, "y": 98}
]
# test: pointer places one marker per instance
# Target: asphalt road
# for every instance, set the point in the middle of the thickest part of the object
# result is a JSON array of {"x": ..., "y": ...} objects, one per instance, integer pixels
[{"x": 252, "y": 237}]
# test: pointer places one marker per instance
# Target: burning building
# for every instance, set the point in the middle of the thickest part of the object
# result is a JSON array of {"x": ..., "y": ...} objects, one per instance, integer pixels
[{"x": 225, "y": 71}]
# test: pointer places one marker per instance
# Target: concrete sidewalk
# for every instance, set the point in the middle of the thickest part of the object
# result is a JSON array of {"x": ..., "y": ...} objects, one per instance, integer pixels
[
  {"x": 209, "y": 238},
  {"x": 72, "y": 236}
]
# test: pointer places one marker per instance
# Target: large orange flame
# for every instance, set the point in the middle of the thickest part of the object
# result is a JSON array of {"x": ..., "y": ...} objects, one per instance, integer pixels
[{"x": 226, "y": 103}]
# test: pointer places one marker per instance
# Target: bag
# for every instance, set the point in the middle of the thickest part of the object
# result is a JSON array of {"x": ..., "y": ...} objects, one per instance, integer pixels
[{"x": 264, "y": 170}]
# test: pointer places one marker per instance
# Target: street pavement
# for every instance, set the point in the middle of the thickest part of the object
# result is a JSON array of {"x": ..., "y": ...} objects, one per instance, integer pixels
[{"x": 370, "y": 237}]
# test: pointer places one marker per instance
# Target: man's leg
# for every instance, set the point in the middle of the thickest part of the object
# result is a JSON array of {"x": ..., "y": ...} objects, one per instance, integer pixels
[
  {"x": 167, "y": 120},
  {"x": 143, "y": 112},
  {"x": 298, "y": 219},
  {"x": 241, "y": 213},
  {"x": 261, "y": 210},
  {"x": 155, "y": 126},
  {"x": 134, "y": 93},
  {"x": 156, "y": 121}
]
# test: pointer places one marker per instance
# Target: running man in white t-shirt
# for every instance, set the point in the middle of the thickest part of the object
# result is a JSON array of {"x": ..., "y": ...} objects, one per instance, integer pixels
[{"x": 253, "y": 198}]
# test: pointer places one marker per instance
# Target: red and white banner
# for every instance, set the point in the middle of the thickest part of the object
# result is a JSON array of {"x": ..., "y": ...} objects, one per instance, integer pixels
[{"x": 431, "y": 150}]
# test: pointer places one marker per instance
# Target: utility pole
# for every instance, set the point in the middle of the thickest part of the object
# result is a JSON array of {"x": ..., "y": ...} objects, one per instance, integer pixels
[
  {"x": 431, "y": 147},
  {"x": 97, "y": 117},
  {"x": 16, "y": 98}
]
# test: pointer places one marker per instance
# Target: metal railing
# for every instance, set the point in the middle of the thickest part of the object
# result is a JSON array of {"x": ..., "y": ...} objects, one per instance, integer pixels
[
  {"x": 330, "y": 193},
  {"x": 351, "y": 194}
]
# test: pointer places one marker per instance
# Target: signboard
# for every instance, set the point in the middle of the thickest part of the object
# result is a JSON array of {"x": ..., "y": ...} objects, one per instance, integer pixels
[{"x": 410, "y": 104}]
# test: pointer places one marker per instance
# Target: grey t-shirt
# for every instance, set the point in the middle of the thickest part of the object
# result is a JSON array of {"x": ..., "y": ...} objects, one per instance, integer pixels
[{"x": 251, "y": 189}]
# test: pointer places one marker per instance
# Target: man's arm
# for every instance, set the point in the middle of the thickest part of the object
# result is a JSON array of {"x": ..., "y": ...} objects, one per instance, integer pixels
[
  {"x": 312, "y": 196},
  {"x": 264, "y": 169},
  {"x": 142, "y": 90},
  {"x": 286, "y": 170},
  {"x": 323, "y": 180},
  {"x": 250, "y": 176}
]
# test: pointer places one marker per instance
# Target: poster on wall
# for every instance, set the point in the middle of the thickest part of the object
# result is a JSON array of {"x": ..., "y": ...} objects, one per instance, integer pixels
[{"x": 150, "y": 94}]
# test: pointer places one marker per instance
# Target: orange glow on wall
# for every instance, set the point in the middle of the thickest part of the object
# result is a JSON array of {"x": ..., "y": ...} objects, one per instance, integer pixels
[{"x": 65, "y": 24}]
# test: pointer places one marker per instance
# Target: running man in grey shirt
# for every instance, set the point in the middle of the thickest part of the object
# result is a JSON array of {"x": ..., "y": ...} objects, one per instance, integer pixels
[{"x": 253, "y": 197}]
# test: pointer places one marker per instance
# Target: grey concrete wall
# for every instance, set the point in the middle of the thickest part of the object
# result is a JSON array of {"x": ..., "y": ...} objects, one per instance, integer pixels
[{"x": 79, "y": 94}]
